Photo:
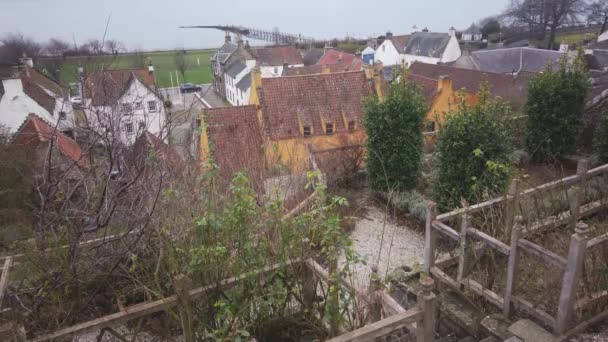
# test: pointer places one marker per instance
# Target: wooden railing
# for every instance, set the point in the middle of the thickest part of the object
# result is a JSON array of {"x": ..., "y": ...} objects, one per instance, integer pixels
[
  {"x": 386, "y": 315},
  {"x": 572, "y": 264}
]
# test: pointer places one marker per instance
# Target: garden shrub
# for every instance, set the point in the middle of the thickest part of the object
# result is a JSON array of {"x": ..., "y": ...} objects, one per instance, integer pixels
[
  {"x": 394, "y": 137},
  {"x": 410, "y": 201},
  {"x": 473, "y": 151},
  {"x": 556, "y": 101}
]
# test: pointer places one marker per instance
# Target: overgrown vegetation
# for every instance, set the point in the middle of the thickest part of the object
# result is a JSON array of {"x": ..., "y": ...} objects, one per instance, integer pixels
[
  {"x": 601, "y": 136},
  {"x": 556, "y": 101},
  {"x": 473, "y": 150},
  {"x": 394, "y": 137}
]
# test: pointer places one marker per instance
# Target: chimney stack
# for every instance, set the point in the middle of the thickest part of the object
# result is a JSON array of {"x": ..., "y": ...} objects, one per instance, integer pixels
[
  {"x": 444, "y": 82},
  {"x": 150, "y": 68},
  {"x": 452, "y": 31},
  {"x": 389, "y": 35}
]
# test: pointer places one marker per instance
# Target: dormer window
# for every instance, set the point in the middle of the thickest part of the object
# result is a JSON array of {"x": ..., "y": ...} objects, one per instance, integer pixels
[
  {"x": 307, "y": 131},
  {"x": 329, "y": 128},
  {"x": 352, "y": 125}
]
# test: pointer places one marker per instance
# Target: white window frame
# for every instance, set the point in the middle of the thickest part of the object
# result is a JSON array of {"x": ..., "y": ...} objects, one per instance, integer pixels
[{"x": 152, "y": 110}]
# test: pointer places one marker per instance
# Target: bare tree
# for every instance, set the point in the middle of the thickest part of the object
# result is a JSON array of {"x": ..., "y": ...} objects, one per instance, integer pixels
[
  {"x": 541, "y": 16},
  {"x": 114, "y": 46},
  {"x": 181, "y": 62},
  {"x": 597, "y": 13},
  {"x": 15, "y": 45},
  {"x": 95, "y": 45},
  {"x": 56, "y": 47}
]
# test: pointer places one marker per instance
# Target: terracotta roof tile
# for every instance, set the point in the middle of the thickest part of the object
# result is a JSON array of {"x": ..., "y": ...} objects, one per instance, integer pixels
[
  {"x": 284, "y": 100},
  {"x": 317, "y": 69},
  {"x": 107, "y": 86},
  {"x": 35, "y": 130},
  {"x": 509, "y": 88},
  {"x": 332, "y": 56},
  {"x": 236, "y": 142},
  {"x": 277, "y": 55},
  {"x": 37, "y": 93}
]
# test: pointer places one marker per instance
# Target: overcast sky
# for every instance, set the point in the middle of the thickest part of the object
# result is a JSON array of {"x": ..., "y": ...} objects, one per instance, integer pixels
[{"x": 152, "y": 24}]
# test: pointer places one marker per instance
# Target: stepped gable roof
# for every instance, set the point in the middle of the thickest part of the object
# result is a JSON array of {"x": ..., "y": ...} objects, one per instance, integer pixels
[{"x": 287, "y": 102}]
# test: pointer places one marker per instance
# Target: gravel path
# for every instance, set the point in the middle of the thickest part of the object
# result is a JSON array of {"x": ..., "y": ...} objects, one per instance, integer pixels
[{"x": 398, "y": 247}]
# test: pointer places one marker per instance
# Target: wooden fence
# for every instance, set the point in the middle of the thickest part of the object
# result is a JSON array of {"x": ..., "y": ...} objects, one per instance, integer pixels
[
  {"x": 386, "y": 315},
  {"x": 467, "y": 236}
]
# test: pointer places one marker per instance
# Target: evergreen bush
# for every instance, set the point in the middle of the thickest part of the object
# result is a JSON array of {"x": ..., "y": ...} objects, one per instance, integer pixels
[
  {"x": 556, "y": 101},
  {"x": 473, "y": 153},
  {"x": 394, "y": 136}
]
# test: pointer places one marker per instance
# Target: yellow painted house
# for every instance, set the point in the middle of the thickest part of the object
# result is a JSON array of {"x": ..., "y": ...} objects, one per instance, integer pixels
[
  {"x": 442, "y": 87},
  {"x": 324, "y": 111}
]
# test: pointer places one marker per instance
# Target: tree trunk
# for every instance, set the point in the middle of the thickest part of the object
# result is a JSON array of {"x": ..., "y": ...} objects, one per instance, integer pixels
[{"x": 551, "y": 44}]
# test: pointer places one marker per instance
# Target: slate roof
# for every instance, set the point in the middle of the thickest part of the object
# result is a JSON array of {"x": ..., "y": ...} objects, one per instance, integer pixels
[
  {"x": 277, "y": 55},
  {"x": 107, "y": 86},
  {"x": 312, "y": 56},
  {"x": 427, "y": 44},
  {"x": 515, "y": 59},
  {"x": 236, "y": 69},
  {"x": 284, "y": 100},
  {"x": 245, "y": 82},
  {"x": 35, "y": 130},
  {"x": 236, "y": 141},
  {"x": 400, "y": 42},
  {"x": 507, "y": 87},
  {"x": 333, "y": 56},
  {"x": 224, "y": 52}
]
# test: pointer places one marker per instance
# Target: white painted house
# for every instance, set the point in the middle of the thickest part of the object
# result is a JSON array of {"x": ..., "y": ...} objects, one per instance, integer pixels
[
  {"x": 432, "y": 48},
  {"x": 235, "y": 73},
  {"x": 272, "y": 60},
  {"x": 29, "y": 91},
  {"x": 392, "y": 50},
  {"x": 472, "y": 34},
  {"x": 124, "y": 102}
]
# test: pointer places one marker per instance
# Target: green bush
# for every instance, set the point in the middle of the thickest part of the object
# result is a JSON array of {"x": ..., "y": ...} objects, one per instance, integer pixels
[
  {"x": 412, "y": 202},
  {"x": 473, "y": 151},
  {"x": 394, "y": 137},
  {"x": 556, "y": 101}
]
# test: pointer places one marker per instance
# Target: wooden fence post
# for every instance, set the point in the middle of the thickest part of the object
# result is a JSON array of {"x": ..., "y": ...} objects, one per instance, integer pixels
[
  {"x": 512, "y": 265},
  {"x": 462, "y": 246},
  {"x": 375, "y": 286},
  {"x": 425, "y": 330},
  {"x": 582, "y": 167},
  {"x": 574, "y": 266},
  {"x": 511, "y": 204},
  {"x": 430, "y": 237},
  {"x": 574, "y": 201},
  {"x": 182, "y": 285}
]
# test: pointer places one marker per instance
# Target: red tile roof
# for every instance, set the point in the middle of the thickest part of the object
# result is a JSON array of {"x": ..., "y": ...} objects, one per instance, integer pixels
[
  {"x": 509, "y": 88},
  {"x": 107, "y": 86},
  {"x": 35, "y": 130},
  {"x": 428, "y": 87},
  {"x": 332, "y": 56},
  {"x": 277, "y": 55},
  {"x": 284, "y": 100},
  {"x": 148, "y": 142},
  {"x": 236, "y": 142}
]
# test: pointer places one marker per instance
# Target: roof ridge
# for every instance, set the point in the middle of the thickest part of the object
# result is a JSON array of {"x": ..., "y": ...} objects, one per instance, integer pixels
[{"x": 316, "y": 75}]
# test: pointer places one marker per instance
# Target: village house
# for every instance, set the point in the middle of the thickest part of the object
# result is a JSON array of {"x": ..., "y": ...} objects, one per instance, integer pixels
[
  {"x": 323, "y": 111},
  {"x": 441, "y": 87},
  {"x": 124, "y": 102},
  {"x": 392, "y": 50},
  {"x": 355, "y": 65},
  {"x": 218, "y": 62},
  {"x": 509, "y": 60},
  {"x": 273, "y": 60},
  {"x": 432, "y": 48},
  {"x": 27, "y": 91},
  {"x": 472, "y": 34},
  {"x": 333, "y": 56},
  {"x": 235, "y": 94},
  {"x": 368, "y": 55}
]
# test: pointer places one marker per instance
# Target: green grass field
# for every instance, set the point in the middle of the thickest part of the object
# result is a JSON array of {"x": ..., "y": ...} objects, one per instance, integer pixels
[{"x": 199, "y": 66}]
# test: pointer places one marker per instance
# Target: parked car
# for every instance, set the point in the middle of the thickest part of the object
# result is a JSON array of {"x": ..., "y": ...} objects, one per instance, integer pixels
[{"x": 189, "y": 88}]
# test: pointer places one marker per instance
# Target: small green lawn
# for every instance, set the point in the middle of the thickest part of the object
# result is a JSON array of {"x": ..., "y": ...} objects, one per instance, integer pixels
[{"x": 199, "y": 66}]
